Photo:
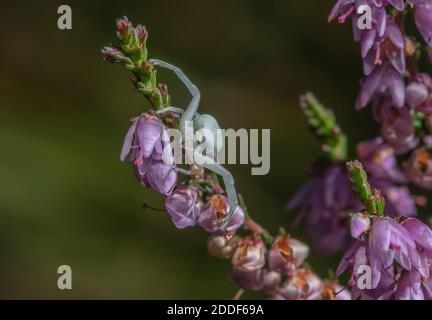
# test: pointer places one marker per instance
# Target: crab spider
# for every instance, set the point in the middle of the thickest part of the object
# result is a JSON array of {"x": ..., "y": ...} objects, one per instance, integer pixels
[{"x": 191, "y": 120}]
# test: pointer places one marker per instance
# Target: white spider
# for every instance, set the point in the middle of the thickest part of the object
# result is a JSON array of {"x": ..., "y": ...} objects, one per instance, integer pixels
[{"x": 203, "y": 124}]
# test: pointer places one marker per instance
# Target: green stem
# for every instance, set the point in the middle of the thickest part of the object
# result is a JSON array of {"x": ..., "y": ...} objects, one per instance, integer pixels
[
  {"x": 323, "y": 123},
  {"x": 370, "y": 198},
  {"x": 133, "y": 54}
]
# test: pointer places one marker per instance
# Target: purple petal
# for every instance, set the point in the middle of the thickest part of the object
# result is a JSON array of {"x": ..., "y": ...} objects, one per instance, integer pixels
[{"x": 127, "y": 144}]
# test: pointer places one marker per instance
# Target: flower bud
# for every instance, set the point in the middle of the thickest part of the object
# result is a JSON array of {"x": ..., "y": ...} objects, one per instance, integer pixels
[
  {"x": 141, "y": 34},
  {"x": 360, "y": 223},
  {"x": 416, "y": 94},
  {"x": 302, "y": 285},
  {"x": 112, "y": 54},
  {"x": 399, "y": 202},
  {"x": 183, "y": 206},
  {"x": 423, "y": 20},
  {"x": 219, "y": 246},
  {"x": 124, "y": 27},
  {"x": 250, "y": 254},
  {"x": 398, "y": 130},
  {"x": 379, "y": 160},
  {"x": 214, "y": 213},
  {"x": 287, "y": 254},
  {"x": 248, "y": 280},
  {"x": 271, "y": 282}
]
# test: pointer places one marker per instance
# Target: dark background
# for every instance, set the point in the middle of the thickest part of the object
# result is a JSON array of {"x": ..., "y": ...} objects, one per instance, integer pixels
[{"x": 65, "y": 198}]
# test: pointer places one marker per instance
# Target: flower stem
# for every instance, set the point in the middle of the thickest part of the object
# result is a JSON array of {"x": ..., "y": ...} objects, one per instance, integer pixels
[
  {"x": 323, "y": 123},
  {"x": 133, "y": 54},
  {"x": 370, "y": 198}
]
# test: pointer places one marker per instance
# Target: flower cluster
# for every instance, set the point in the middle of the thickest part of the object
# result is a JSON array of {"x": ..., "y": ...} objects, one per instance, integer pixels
[
  {"x": 399, "y": 94},
  {"x": 394, "y": 253},
  {"x": 396, "y": 247},
  {"x": 326, "y": 199},
  {"x": 401, "y": 98},
  {"x": 274, "y": 266}
]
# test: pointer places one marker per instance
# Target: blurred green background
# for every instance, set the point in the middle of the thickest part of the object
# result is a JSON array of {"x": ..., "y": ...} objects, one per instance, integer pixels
[{"x": 65, "y": 198}]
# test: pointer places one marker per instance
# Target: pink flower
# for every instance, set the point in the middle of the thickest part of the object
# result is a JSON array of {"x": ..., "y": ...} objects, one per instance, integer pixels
[
  {"x": 213, "y": 214},
  {"x": 287, "y": 254}
]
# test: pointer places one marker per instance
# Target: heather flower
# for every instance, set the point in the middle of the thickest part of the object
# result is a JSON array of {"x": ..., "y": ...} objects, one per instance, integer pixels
[
  {"x": 417, "y": 284},
  {"x": 418, "y": 93},
  {"x": 395, "y": 257},
  {"x": 399, "y": 201},
  {"x": 183, "y": 206},
  {"x": 148, "y": 147},
  {"x": 383, "y": 80},
  {"x": 423, "y": 19},
  {"x": 271, "y": 282},
  {"x": 221, "y": 247},
  {"x": 214, "y": 212},
  {"x": 376, "y": 49},
  {"x": 389, "y": 242},
  {"x": 397, "y": 126},
  {"x": 418, "y": 168},
  {"x": 330, "y": 235},
  {"x": 249, "y": 280},
  {"x": 379, "y": 160},
  {"x": 422, "y": 235},
  {"x": 248, "y": 261},
  {"x": 303, "y": 284},
  {"x": 398, "y": 130},
  {"x": 409, "y": 287},
  {"x": 384, "y": 40},
  {"x": 143, "y": 139},
  {"x": 344, "y": 9},
  {"x": 323, "y": 201},
  {"x": 360, "y": 223},
  {"x": 158, "y": 175},
  {"x": 249, "y": 254},
  {"x": 286, "y": 254}
]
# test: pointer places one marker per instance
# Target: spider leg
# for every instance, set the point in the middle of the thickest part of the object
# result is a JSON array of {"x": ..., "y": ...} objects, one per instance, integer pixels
[
  {"x": 185, "y": 172},
  {"x": 170, "y": 109},
  {"x": 228, "y": 179},
  {"x": 189, "y": 113},
  {"x": 205, "y": 161}
]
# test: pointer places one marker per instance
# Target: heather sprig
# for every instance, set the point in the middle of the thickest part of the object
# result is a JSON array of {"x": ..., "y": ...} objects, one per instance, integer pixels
[
  {"x": 396, "y": 250},
  {"x": 399, "y": 258},
  {"x": 325, "y": 199},
  {"x": 323, "y": 123},
  {"x": 370, "y": 198},
  {"x": 131, "y": 51}
]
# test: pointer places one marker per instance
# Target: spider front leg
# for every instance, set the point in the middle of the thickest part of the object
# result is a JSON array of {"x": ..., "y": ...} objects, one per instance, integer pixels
[
  {"x": 228, "y": 179},
  {"x": 170, "y": 109},
  {"x": 192, "y": 108}
]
